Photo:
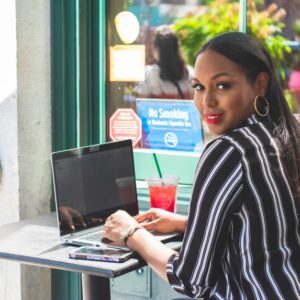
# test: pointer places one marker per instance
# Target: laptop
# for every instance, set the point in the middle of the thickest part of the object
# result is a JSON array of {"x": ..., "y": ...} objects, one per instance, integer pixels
[{"x": 91, "y": 183}]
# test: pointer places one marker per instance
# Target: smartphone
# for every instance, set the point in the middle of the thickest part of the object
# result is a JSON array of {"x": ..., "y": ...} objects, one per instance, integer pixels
[{"x": 101, "y": 254}]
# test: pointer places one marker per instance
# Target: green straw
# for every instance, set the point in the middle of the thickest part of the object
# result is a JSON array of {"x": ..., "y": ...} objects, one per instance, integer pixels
[{"x": 157, "y": 165}]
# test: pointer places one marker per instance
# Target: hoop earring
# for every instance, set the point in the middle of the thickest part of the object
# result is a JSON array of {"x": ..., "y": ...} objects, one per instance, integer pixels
[{"x": 263, "y": 105}]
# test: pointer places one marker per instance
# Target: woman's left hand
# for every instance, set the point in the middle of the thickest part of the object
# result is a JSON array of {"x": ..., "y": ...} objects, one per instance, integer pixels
[{"x": 116, "y": 223}]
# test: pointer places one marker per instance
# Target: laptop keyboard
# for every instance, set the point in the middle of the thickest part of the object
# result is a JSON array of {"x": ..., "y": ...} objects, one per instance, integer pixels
[{"x": 94, "y": 237}]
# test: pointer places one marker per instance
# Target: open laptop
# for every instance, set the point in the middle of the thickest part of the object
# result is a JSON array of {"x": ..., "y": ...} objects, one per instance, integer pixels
[{"x": 91, "y": 183}]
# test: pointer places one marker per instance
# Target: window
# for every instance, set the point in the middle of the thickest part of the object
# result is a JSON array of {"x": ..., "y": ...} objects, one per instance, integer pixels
[{"x": 143, "y": 101}]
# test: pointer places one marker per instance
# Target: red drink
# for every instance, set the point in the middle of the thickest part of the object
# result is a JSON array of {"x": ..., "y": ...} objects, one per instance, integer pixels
[{"x": 163, "y": 197}]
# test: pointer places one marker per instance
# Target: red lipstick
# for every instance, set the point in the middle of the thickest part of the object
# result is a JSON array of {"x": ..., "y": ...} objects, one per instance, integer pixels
[{"x": 213, "y": 118}]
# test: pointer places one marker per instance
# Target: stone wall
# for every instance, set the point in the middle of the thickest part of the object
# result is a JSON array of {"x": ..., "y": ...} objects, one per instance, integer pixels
[{"x": 25, "y": 143}]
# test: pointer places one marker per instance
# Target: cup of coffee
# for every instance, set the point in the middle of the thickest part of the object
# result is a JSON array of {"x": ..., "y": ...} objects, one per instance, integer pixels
[{"x": 163, "y": 192}]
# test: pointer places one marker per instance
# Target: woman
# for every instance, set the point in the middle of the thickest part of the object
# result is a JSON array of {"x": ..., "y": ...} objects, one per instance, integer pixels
[
  {"x": 169, "y": 77},
  {"x": 241, "y": 237}
]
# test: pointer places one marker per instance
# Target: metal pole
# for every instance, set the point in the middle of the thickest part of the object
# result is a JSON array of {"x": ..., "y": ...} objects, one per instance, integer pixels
[{"x": 95, "y": 287}]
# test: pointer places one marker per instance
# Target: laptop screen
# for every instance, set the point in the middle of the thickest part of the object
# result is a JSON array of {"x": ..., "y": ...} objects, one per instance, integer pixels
[{"x": 92, "y": 182}]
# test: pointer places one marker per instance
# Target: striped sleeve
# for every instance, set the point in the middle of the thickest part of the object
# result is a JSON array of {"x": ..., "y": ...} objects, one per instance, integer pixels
[{"x": 217, "y": 184}]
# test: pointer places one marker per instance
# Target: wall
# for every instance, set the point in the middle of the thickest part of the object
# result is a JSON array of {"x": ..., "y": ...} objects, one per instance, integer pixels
[
  {"x": 8, "y": 79},
  {"x": 9, "y": 205},
  {"x": 25, "y": 133},
  {"x": 9, "y": 197}
]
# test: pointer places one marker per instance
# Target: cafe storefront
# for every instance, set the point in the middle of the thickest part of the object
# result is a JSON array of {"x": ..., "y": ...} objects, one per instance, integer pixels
[{"x": 100, "y": 51}]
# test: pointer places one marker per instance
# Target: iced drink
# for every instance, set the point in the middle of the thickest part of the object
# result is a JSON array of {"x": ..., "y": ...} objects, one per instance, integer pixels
[{"x": 162, "y": 192}]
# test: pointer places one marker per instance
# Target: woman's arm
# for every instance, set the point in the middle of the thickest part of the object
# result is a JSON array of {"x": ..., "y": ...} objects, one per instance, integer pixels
[
  {"x": 141, "y": 240},
  {"x": 152, "y": 251}
]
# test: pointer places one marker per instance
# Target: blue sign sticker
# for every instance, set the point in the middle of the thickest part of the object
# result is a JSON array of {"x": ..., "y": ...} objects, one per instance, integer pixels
[{"x": 170, "y": 124}]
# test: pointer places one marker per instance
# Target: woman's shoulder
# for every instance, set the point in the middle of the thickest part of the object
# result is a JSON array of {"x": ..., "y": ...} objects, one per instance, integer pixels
[
  {"x": 152, "y": 73},
  {"x": 247, "y": 138},
  {"x": 154, "y": 68},
  {"x": 219, "y": 152},
  {"x": 220, "y": 145},
  {"x": 239, "y": 139}
]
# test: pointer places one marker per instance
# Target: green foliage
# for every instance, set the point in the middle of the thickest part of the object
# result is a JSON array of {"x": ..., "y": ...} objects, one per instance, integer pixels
[
  {"x": 290, "y": 100},
  {"x": 223, "y": 16},
  {"x": 260, "y": 2},
  {"x": 296, "y": 27},
  {"x": 266, "y": 26},
  {"x": 193, "y": 31}
]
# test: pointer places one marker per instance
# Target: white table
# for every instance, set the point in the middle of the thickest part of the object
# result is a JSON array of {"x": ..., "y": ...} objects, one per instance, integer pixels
[{"x": 41, "y": 247}]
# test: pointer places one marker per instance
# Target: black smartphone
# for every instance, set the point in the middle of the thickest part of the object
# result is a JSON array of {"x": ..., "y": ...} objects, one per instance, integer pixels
[{"x": 101, "y": 254}]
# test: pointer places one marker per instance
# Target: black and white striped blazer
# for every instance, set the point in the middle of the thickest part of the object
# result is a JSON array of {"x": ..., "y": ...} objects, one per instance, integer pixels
[{"x": 242, "y": 239}]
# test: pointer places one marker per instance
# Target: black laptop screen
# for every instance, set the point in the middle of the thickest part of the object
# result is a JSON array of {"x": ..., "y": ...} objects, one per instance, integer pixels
[{"x": 92, "y": 182}]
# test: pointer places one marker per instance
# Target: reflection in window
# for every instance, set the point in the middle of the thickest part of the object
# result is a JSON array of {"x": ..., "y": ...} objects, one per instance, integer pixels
[
  {"x": 170, "y": 47},
  {"x": 168, "y": 76},
  {"x": 275, "y": 23}
]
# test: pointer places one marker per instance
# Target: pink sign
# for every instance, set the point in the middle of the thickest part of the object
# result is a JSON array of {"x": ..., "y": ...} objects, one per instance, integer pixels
[{"x": 125, "y": 124}]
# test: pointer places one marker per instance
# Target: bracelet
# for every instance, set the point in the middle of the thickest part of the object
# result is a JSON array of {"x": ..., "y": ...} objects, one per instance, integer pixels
[{"x": 132, "y": 231}]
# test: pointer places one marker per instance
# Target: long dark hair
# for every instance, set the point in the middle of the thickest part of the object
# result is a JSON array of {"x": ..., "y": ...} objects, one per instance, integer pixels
[
  {"x": 171, "y": 63},
  {"x": 254, "y": 59}
]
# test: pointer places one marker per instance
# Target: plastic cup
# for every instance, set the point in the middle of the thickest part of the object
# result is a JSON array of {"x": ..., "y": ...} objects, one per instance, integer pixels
[{"x": 163, "y": 191}]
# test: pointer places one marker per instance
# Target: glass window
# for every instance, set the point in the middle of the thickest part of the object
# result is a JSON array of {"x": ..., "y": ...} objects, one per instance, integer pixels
[{"x": 151, "y": 50}]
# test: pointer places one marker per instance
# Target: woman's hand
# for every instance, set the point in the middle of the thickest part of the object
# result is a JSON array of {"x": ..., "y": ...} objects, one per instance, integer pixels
[
  {"x": 143, "y": 242},
  {"x": 162, "y": 221},
  {"x": 116, "y": 223}
]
